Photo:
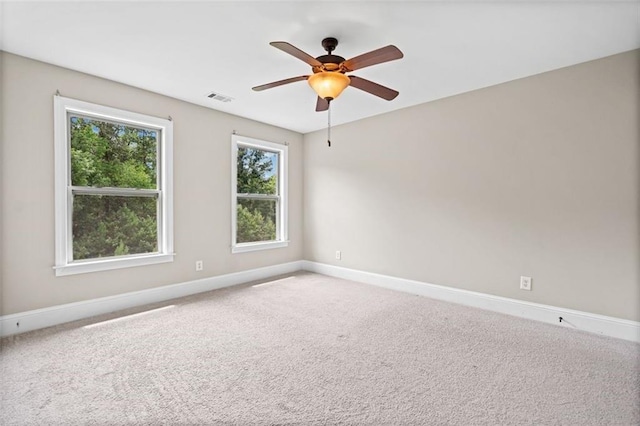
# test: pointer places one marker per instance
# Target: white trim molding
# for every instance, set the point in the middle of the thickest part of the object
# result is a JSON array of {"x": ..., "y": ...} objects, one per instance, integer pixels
[
  {"x": 282, "y": 197},
  {"x": 64, "y": 191},
  {"x": 577, "y": 320},
  {"x": 47, "y": 317}
]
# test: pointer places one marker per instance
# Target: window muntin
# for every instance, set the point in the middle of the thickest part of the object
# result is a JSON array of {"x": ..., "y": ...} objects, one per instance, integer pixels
[
  {"x": 113, "y": 188},
  {"x": 258, "y": 194}
]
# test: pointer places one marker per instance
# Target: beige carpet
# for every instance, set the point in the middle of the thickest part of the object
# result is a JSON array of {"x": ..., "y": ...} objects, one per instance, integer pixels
[{"x": 314, "y": 350}]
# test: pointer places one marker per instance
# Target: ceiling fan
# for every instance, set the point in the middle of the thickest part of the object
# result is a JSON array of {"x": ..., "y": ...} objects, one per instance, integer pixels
[{"x": 329, "y": 77}]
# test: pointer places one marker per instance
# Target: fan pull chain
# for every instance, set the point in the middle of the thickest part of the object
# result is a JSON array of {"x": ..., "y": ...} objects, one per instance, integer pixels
[{"x": 329, "y": 125}]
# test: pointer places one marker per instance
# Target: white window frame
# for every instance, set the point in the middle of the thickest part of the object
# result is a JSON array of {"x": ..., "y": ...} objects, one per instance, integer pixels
[
  {"x": 65, "y": 265},
  {"x": 282, "y": 224}
]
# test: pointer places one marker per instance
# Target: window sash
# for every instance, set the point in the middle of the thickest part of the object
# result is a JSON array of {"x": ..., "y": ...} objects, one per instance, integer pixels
[
  {"x": 278, "y": 234},
  {"x": 117, "y": 122},
  {"x": 278, "y": 216},
  {"x": 114, "y": 192},
  {"x": 159, "y": 239},
  {"x": 278, "y": 166}
]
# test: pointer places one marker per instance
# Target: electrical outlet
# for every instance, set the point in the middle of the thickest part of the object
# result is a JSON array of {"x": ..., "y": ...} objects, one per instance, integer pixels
[
  {"x": 525, "y": 283},
  {"x": 338, "y": 255},
  {"x": 199, "y": 265}
]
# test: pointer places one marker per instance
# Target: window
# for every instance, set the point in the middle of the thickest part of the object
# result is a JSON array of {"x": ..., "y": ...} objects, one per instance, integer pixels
[
  {"x": 113, "y": 188},
  {"x": 259, "y": 194}
]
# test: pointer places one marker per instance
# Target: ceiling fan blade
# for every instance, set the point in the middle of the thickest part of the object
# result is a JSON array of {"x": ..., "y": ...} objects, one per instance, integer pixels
[
  {"x": 294, "y": 51},
  {"x": 373, "y": 88},
  {"x": 322, "y": 104},
  {"x": 279, "y": 83},
  {"x": 378, "y": 56}
]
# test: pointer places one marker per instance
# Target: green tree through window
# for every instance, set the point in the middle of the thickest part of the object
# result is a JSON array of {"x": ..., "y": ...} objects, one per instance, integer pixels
[
  {"x": 119, "y": 157},
  {"x": 257, "y": 195}
]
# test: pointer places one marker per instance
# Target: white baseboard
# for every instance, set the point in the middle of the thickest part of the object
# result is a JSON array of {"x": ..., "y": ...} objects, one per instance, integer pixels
[
  {"x": 47, "y": 317},
  {"x": 594, "y": 323}
]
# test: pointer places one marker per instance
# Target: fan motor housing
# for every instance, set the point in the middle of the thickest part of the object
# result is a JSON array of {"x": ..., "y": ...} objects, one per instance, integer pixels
[
  {"x": 330, "y": 59},
  {"x": 329, "y": 63}
]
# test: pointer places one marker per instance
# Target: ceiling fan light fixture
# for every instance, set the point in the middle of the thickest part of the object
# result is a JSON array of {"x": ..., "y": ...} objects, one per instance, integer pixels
[{"x": 329, "y": 84}]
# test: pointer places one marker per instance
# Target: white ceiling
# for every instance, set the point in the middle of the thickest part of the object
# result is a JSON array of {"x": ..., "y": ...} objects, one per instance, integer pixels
[{"x": 186, "y": 50}]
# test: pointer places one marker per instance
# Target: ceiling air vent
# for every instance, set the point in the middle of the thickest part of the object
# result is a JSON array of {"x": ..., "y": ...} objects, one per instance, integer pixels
[{"x": 219, "y": 97}]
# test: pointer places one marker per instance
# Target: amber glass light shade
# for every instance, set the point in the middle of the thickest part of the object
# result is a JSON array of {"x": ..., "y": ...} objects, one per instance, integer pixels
[{"x": 329, "y": 84}]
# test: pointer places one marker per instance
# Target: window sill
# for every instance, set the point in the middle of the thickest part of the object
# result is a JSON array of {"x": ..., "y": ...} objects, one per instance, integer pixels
[
  {"x": 112, "y": 263},
  {"x": 266, "y": 245}
]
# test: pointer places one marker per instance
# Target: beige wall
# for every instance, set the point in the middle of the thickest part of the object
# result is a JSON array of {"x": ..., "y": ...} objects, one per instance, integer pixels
[
  {"x": 202, "y": 144},
  {"x": 536, "y": 177},
  {"x": 2, "y": 138}
]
